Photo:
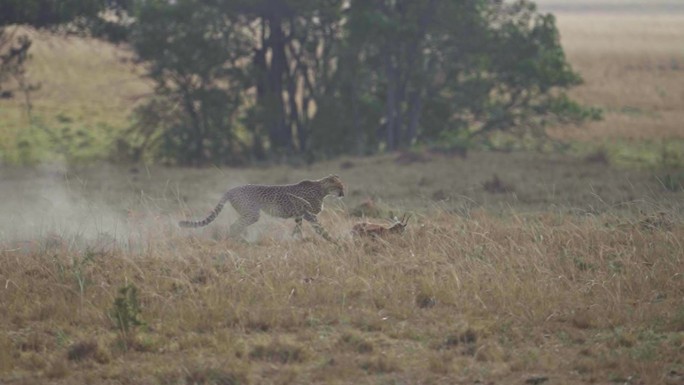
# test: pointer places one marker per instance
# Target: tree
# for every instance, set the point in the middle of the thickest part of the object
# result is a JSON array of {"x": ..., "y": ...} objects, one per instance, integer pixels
[
  {"x": 354, "y": 76},
  {"x": 265, "y": 62},
  {"x": 292, "y": 66},
  {"x": 13, "y": 55},
  {"x": 453, "y": 69},
  {"x": 48, "y": 13},
  {"x": 272, "y": 78},
  {"x": 193, "y": 53},
  {"x": 265, "y": 78}
]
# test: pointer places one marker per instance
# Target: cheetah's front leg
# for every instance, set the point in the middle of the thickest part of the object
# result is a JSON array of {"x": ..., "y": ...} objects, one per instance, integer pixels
[
  {"x": 297, "y": 232},
  {"x": 317, "y": 226}
]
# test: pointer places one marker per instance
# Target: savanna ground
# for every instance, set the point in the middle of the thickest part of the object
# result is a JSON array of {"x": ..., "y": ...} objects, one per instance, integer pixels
[{"x": 519, "y": 267}]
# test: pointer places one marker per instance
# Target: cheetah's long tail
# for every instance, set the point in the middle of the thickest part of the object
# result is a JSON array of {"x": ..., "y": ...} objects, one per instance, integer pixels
[{"x": 210, "y": 218}]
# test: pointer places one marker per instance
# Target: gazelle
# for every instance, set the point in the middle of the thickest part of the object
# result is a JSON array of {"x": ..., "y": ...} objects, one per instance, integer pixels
[{"x": 367, "y": 229}]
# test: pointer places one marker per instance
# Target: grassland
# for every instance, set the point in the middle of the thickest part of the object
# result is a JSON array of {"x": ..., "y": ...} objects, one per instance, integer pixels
[
  {"x": 86, "y": 92},
  {"x": 569, "y": 270},
  {"x": 523, "y": 268},
  {"x": 633, "y": 67}
]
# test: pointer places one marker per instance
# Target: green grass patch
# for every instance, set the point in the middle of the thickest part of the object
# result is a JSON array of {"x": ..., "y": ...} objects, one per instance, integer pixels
[
  {"x": 68, "y": 140},
  {"x": 662, "y": 154}
]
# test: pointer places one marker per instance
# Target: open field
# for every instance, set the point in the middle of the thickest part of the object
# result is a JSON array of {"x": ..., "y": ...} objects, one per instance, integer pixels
[
  {"x": 566, "y": 269},
  {"x": 633, "y": 67},
  {"x": 640, "y": 80}
]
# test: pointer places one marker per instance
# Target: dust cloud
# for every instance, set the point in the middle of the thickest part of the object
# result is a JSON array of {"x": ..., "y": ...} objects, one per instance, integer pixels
[
  {"x": 42, "y": 202},
  {"x": 109, "y": 207}
]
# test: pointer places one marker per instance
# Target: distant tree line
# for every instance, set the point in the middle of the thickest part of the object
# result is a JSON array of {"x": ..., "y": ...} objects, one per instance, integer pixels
[{"x": 239, "y": 80}]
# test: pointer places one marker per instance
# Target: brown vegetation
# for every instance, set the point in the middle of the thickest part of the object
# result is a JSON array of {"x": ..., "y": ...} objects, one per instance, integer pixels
[
  {"x": 633, "y": 68},
  {"x": 578, "y": 299},
  {"x": 575, "y": 277}
]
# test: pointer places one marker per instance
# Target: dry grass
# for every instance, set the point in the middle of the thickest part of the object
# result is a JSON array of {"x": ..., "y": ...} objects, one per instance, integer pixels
[
  {"x": 577, "y": 299},
  {"x": 633, "y": 67},
  {"x": 492, "y": 287}
]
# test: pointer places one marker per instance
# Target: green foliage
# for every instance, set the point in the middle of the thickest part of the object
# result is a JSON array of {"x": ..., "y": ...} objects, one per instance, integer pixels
[
  {"x": 562, "y": 109},
  {"x": 441, "y": 70},
  {"x": 145, "y": 134},
  {"x": 48, "y": 13},
  {"x": 257, "y": 79},
  {"x": 66, "y": 140},
  {"x": 661, "y": 155},
  {"x": 126, "y": 309},
  {"x": 191, "y": 51},
  {"x": 76, "y": 270}
]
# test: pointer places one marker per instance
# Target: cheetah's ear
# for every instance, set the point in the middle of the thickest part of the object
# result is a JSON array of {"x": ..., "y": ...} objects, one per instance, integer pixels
[{"x": 333, "y": 176}]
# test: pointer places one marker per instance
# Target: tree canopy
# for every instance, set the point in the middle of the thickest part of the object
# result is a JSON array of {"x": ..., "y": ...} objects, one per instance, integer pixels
[{"x": 252, "y": 79}]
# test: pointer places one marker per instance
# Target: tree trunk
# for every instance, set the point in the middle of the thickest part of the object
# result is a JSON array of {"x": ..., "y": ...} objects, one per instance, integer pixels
[
  {"x": 294, "y": 119},
  {"x": 391, "y": 105},
  {"x": 280, "y": 131},
  {"x": 258, "y": 147},
  {"x": 415, "y": 110},
  {"x": 294, "y": 113},
  {"x": 358, "y": 133},
  {"x": 259, "y": 121},
  {"x": 197, "y": 140}
]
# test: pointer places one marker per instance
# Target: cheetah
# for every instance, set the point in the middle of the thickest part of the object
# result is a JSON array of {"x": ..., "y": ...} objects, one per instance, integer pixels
[{"x": 303, "y": 200}]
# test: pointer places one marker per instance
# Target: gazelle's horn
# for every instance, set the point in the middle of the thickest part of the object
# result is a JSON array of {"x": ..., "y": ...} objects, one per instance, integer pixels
[{"x": 405, "y": 219}]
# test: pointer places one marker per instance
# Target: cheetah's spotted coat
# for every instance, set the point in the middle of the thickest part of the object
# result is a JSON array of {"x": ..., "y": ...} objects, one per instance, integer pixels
[{"x": 303, "y": 200}]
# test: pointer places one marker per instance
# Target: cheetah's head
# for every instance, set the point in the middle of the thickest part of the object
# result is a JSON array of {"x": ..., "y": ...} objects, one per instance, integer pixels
[{"x": 333, "y": 185}]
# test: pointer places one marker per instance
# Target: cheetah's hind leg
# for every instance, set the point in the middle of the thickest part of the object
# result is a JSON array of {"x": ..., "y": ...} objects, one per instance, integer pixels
[{"x": 239, "y": 226}]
